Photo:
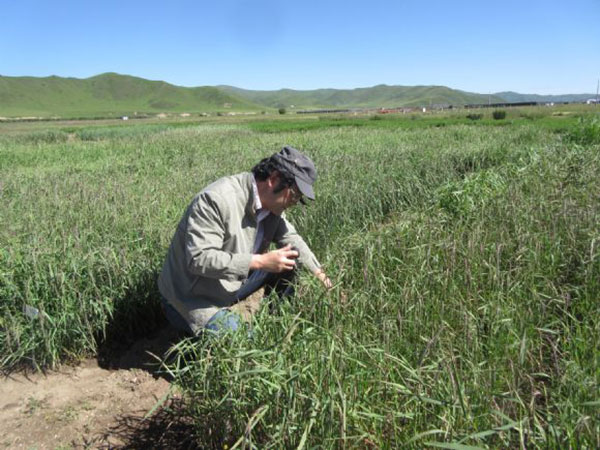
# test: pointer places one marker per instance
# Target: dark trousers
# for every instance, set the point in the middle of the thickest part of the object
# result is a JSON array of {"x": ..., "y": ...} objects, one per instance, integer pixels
[{"x": 282, "y": 283}]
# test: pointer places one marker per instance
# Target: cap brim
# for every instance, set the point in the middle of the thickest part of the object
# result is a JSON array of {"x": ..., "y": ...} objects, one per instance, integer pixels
[{"x": 305, "y": 188}]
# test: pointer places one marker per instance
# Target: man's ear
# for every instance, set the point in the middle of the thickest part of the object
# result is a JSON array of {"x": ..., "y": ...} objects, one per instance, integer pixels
[{"x": 273, "y": 180}]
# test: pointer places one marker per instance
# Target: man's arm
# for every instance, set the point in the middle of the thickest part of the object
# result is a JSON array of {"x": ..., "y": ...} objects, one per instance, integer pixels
[
  {"x": 204, "y": 235},
  {"x": 287, "y": 235}
]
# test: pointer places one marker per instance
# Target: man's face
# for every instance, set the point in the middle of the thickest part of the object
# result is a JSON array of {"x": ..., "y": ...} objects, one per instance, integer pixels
[{"x": 284, "y": 199}]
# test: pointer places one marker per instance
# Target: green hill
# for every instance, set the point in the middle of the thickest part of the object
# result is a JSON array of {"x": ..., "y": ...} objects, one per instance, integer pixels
[
  {"x": 373, "y": 97},
  {"x": 516, "y": 97},
  {"x": 108, "y": 94},
  {"x": 111, "y": 94}
]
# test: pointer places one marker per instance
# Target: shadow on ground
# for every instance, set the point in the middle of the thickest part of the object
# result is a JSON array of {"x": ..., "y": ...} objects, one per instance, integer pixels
[
  {"x": 138, "y": 335},
  {"x": 169, "y": 427},
  {"x": 145, "y": 353}
]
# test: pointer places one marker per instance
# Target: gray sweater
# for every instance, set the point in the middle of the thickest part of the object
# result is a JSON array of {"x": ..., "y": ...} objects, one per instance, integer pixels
[{"x": 210, "y": 254}]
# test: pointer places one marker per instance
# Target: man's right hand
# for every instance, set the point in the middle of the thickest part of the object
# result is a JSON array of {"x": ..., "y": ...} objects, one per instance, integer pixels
[{"x": 276, "y": 261}]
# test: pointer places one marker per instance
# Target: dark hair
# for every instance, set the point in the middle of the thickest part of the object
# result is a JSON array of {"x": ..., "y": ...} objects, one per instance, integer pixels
[{"x": 267, "y": 166}]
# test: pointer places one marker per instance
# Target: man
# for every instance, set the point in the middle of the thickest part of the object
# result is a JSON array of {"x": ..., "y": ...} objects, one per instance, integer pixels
[{"x": 219, "y": 253}]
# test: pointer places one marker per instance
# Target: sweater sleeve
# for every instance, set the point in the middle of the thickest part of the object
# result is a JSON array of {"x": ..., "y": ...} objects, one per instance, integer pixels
[
  {"x": 287, "y": 234},
  {"x": 205, "y": 232}
]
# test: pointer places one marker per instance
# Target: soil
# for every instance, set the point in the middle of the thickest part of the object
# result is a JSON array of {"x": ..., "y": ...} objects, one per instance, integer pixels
[{"x": 121, "y": 401}]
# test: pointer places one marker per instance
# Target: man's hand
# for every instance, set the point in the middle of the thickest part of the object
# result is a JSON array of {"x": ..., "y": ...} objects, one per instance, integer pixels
[
  {"x": 276, "y": 261},
  {"x": 322, "y": 276}
]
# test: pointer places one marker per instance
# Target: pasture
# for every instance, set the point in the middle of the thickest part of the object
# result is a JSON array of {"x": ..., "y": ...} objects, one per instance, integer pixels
[{"x": 465, "y": 258}]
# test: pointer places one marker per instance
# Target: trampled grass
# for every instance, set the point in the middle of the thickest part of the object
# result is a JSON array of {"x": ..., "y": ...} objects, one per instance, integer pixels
[{"x": 465, "y": 260}]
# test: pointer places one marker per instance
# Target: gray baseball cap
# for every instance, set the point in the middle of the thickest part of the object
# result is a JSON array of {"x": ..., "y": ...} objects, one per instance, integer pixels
[{"x": 299, "y": 165}]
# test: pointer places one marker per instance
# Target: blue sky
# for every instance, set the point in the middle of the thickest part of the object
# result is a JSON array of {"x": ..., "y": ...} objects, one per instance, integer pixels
[{"x": 543, "y": 47}]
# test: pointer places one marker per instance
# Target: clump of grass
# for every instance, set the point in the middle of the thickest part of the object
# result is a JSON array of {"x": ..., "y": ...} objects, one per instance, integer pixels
[
  {"x": 463, "y": 198},
  {"x": 499, "y": 115},
  {"x": 587, "y": 131},
  {"x": 37, "y": 137},
  {"x": 533, "y": 114}
]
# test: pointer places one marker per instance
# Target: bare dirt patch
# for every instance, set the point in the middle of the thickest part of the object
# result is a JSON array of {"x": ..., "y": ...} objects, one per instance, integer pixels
[{"x": 95, "y": 404}]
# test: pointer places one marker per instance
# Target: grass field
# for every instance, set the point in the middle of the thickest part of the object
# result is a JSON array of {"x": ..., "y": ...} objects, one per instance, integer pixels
[{"x": 465, "y": 257}]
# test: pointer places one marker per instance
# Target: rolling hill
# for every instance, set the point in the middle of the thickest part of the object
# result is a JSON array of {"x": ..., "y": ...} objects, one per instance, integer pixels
[
  {"x": 108, "y": 94},
  {"x": 113, "y": 95},
  {"x": 513, "y": 97},
  {"x": 381, "y": 96}
]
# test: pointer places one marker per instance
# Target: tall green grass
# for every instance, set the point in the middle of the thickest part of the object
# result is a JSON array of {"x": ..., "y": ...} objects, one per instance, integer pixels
[
  {"x": 465, "y": 260},
  {"x": 470, "y": 323}
]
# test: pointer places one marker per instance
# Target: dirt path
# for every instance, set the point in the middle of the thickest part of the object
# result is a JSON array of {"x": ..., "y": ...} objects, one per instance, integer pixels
[{"x": 89, "y": 406}]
